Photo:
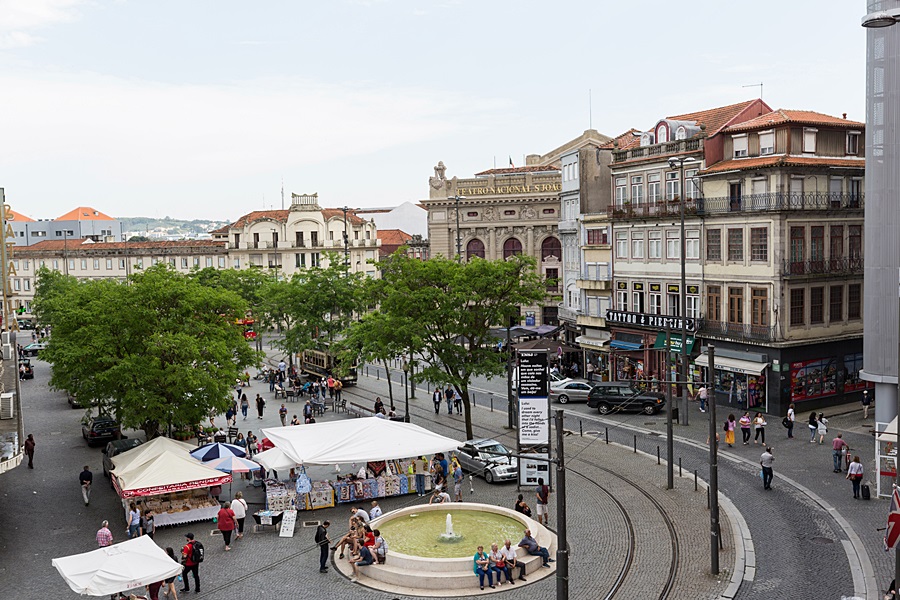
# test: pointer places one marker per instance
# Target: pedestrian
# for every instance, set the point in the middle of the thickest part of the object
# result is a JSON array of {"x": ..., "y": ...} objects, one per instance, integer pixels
[
  {"x": 448, "y": 396},
  {"x": 729, "y": 431},
  {"x": 323, "y": 542},
  {"x": 436, "y": 398},
  {"x": 766, "y": 461},
  {"x": 169, "y": 590},
  {"x": 86, "y": 479},
  {"x": 855, "y": 475},
  {"x": 813, "y": 424},
  {"x": 282, "y": 414},
  {"x": 457, "y": 480},
  {"x": 21, "y": 372},
  {"x": 148, "y": 525},
  {"x": 260, "y": 405},
  {"x": 29, "y": 450},
  {"x": 379, "y": 405},
  {"x": 866, "y": 401},
  {"x": 822, "y": 427},
  {"x": 134, "y": 521},
  {"x": 789, "y": 421},
  {"x": 190, "y": 564},
  {"x": 330, "y": 382},
  {"x": 307, "y": 411},
  {"x": 838, "y": 448},
  {"x": 702, "y": 396},
  {"x": 229, "y": 414},
  {"x": 338, "y": 390},
  {"x": 746, "y": 422},
  {"x": 251, "y": 443},
  {"x": 272, "y": 379},
  {"x": 104, "y": 535},
  {"x": 239, "y": 506},
  {"x": 245, "y": 405},
  {"x": 457, "y": 403},
  {"x": 225, "y": 524},
  {"x": 153, "y": 590},
  {"x": 759, "y": 423},
  {"x": 420, "y": 468},
  {"x": 589, "y": 369},
  {"x": 542, "y": 493},
  {"x": 376, "y": 511}
]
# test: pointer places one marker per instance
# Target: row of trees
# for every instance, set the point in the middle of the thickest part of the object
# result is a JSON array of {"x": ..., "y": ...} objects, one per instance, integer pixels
[{"x": 162, "y": 349}]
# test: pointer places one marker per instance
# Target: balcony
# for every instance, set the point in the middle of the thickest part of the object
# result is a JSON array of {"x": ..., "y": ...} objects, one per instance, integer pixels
[
  {"x": 736, "y": 331},
  {"x": 568, "y": 314},
  {"x": 663, "y": 149},
  {"x": 812, "y": 268},
  {"x": 595, "y": 276},
  {"x": 745, "y": 204}
]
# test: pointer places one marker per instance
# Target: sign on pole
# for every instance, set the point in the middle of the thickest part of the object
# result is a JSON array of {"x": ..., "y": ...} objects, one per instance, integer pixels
[
  {"x": 534, "y": 404},
  {"x": 533, "y": 467}
]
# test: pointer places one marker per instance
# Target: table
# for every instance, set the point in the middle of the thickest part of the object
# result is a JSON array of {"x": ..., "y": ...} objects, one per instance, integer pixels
[
  {"x": 274, "y": 515},
  {"x": 207, "y": 513}
]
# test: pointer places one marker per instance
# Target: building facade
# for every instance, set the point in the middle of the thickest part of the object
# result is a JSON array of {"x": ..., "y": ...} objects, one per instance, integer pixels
[{"x": 83, "y": 222}]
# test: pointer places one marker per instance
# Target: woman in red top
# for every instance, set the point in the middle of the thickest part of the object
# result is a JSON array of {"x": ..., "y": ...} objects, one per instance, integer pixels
[
  {"x": 226, "y": 523},
  {"x": 369, "y": 539}
]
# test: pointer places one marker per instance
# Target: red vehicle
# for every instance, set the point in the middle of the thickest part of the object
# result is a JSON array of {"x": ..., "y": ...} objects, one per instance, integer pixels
[{"x": 249, "y": 327}]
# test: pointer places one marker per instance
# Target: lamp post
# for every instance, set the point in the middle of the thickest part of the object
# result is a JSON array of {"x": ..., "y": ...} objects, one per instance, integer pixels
[
  {"x": 275, "y": 248},
  {"x": 405, "y": 367},
  {"x": 346, "y": 243},
  {"x": 678, "y": 161},
  {"x": 457, "y": 198},
  {"x": 66, "y": 251}
]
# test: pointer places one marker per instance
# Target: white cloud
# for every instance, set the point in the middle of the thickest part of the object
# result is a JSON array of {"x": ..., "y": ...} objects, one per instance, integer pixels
[{"x": 18, "y": 17}]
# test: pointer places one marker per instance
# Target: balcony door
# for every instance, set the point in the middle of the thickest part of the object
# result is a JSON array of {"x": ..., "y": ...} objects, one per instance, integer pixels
[{"x": 734, "y": 196}]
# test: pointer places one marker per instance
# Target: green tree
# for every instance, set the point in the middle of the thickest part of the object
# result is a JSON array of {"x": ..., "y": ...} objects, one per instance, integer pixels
[
  {"x": 161, "y": 349},
  {"x": 446, "y": 309}
]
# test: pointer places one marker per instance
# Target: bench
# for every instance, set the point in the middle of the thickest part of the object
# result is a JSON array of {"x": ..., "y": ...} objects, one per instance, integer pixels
[{"x": 358, "y": 410}]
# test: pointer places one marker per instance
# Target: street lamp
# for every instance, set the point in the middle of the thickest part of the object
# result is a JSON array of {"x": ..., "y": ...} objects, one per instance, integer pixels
[
  {"x": 679, "y": 161},
  {"x": 346, "y": 242},
  {"x": 275, "y": 255},
  {"x": 458, "y": 239},
  {"x": 405, "y": 366}
]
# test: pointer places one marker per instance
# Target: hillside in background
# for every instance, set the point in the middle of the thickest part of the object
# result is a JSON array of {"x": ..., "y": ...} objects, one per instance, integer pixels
[{"x": 169, "y": 228}]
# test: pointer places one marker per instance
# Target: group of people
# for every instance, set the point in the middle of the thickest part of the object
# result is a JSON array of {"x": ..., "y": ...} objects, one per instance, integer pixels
[
  {"x": 501, "y": 561},
  {"x": 448, "y": 395},
  {"x": 441, "y": 472},
  {"x": 367, "y": 545},
  {"x": 542, "y": 496},
  {"x": 746, "y": 425}
]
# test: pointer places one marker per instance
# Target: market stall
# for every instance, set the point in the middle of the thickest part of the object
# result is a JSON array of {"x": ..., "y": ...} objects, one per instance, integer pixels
[
  {"x": 117, "y": 568},
  {"x": 885, "y": 457}
]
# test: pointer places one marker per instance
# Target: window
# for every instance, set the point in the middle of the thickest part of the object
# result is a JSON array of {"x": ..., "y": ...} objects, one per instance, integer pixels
[
  {"x": 506, "y": 213},
  {"x": 184, "y": 262},
  {"x": 314, "y": 238},
  {"x": 637, "y": 301},
  {"x": 156, "y": 260},
  {"x": 714, "y": 303},
  {"x": 759, "y": 244},
  {"x": 121, "y": 264},
  {"x": 27, "y": 283},
  {"x": 681, "y": 133},
  {"x": 597, "y": 237},
  {"x": 809, "y": 139},
  {"x": 736, "y": 245},
  {"x": 331, "y": 233},
  {"x": 17, "y": 285},
  {"x": 298, "y": 239},
  {"x": 314, "y": 259},
  {"x": 26, "y": 265},
  {"x": 655, "y": 303},
  {"x": 662, "y": 134},
  {"x": 474, "y": 249},
  {"x": 511, "y": 247},
  {"x": 759, "y": 306},
  {"x": 854, "y": 301},
  {"x": 796, "y": 186},
  {"x": 714, "y": 244},
  {"x": 836, "y": 246},
  {"x": 56, "y": 265},
  {"x": 548, "y": 211},
  {"x": 740, "y": 145},
  {"x": 798, "y": 311},
  {"x": 300, "y": 260},
  {"x": 653, "y": 195},
  {"x": 84, "y": 264},
  {"x": 368, "y": 235},
  {"x": 817, "y": 247},
  {"x": 691, "y": 189},
  {"x": 655, "y": 245},
  {"x": 621, "y": 190},
  {"x": 735, "y": 305},
  {"x": 854, "y": 191},
  {"x": 550, "y": 248},
  {"x": 816, "y": 305},
  {"x": 637, "y": 245},
  {"x": 674, "y": 304},
  {"x": 237, "y": 263},
  {"x": 758, "y": 187},
  {"x": 854, "y": 239},
  {"x": 621, "y": 244},
  {"x": 692, "y": 244},
  {"x": 673, "y": 244},
  {"x": 108, "y": 264},
  {"x": 209, "y": 261},
  {"x": 637, "y": 190},
  {"x": 766, "y": 142},
  {"x": 196, "y": 261},
  {"x": 221, "y": 262},
  {"x": 798, "y": 244},
  {"x": 139, "y": 263},
  {"x": 853, "y": 142},
  {"x": 38, "y": 234},
  {"x": 622, "y": 300},
  {"x": 836, "y": 304},
  {"x": 172, "y": 262},
  {"x": 673, "y": 186},
  {"x": 356, "y": 234},
  {"x": 692, "y": 306}
]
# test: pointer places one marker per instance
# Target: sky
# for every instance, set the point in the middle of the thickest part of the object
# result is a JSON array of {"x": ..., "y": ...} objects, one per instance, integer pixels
[{"x": 198, "y": 109}]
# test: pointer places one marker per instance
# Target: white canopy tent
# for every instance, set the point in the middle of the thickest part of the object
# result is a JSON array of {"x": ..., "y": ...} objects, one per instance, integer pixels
[
  {"x": 356, "y": 441},
  {"x": 146, "y": 452},
  {"x": 165, "y": 473},
  {"x": 117, "y": 568},
  {"x": 274, "y": 459}
]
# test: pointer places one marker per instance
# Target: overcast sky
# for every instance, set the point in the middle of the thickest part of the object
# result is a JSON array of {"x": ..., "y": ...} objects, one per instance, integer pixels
[{"x": 198, "y": 109}]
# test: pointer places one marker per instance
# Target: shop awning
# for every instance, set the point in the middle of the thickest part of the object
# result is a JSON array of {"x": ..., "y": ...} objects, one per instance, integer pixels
[
  {"x": 620, "y": 345},
  {"x": 166, "y": 473},
  {"x": 734, "y": 365},
  {"x": 674, "y": 342},
  {"x": 889, "y": 434},
  {"x": 592, "y": 342}
]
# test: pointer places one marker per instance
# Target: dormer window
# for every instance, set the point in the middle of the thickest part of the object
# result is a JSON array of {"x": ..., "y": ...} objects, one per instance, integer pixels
[
  {"x": 809, "y": 140},
  {"x": 853, "y": 142},
  {"x": 740, "y": 145},
  {"x": 766, "y": 142},
  {"x": 662, "y": 134},
  {"x": 681, "y": 133}
]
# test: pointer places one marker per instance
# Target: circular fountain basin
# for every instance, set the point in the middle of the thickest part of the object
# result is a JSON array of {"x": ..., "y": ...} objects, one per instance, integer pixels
[{"x": 422, "y": 533}]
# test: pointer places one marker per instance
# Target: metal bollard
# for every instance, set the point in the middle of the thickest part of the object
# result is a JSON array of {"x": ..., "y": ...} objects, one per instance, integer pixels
[
  {"x": 491, "y": 397},
  {"x": 580, "y": 429},
  {"x": 679, "y": 466},
  {"x": 473, "y": 400},
  {"x": 695, "y": 480},
  {"x": 658, "y": 461},
  {"x": 607, "y": 435},
  {"x": 707, "y": 498},
  {"x": 635, "y": 444},
  {"x": 377, "y": 374}
]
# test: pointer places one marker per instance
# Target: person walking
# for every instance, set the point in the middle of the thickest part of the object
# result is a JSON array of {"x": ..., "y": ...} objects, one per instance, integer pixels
[
  {"x": 420, "y": 469},
  {"x": 759, "y": 424},
  {"x": 239, "y": 507},
  {"x": 225, "y": 524},
  {"x": 766, "y": 461},
  {"x": 589, "y": 371},
  {"x": 260, "y": 405},
  {"x": 86, "y": 479},
  {"x": 838, "y": 448},
  {"x": 245, "y": 405},
  {"x": 855, "y": 475},
  {"x": 169, "y": 590},
  {"x": 813, "y": 424},
  {"x": 104, "y": 535},
  {"x": 148, "y": 525},
  {"x": 436, "y": 398},
  {"x": 323, "y": 542},
  {"x": 729, "y": 431},
  {"x": 703, "y": 396},
  {"x": 251, "y": 443},
  {"x": 745, "y": 423},
  {"x": 29, "y": 450},
  {"x": 448, "y": 396},
  {"x": 866, "y": 401},
  {"x": 282, "y": 414},
  {"x": 789, "y": 421},
  {"x": 134, "y": 521},
  {"x": 822, "y": 427},
  {"x": 190, "y": 565}
]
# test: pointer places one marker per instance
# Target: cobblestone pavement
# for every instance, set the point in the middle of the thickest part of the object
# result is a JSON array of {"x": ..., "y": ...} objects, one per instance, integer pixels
[{"x": 44, "y": 517}]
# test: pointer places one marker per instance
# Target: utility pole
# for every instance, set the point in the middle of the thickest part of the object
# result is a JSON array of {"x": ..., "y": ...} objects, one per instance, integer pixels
[
  {"x": 670, "y": 447},
  {"x": 562, "y": 547},
  {"x": 713, "y": 466},
  {"x": 346, "y": 243},
  {"x": 510, "y": 400},
  {"x": 457, "y": 198}
]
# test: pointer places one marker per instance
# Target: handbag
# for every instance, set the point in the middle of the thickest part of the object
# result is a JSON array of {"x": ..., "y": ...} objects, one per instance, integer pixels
[{"x": 786, "y": 422}]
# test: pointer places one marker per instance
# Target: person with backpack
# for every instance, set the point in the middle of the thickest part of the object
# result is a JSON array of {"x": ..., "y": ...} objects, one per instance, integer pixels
[{"x": 191, "y": 557}]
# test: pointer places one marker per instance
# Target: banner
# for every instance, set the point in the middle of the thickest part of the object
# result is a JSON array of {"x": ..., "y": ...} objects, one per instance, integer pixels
[{"x": 534, "y": 404}]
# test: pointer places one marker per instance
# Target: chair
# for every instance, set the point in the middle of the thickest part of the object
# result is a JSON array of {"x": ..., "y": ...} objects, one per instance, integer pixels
[
  {"x": 318, "y": 408},
  {"x": 220, "y": 437},
  {"x": 291, "y": 395},
  {"x": 279, "y": 392},
  {"x": 232, "y": 434}
]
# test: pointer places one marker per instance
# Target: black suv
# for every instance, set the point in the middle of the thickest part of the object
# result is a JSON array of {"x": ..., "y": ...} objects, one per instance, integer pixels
[
  {"x": 115, "y": 448},
  {"x": 610, "y": 397},
  {"x": 100, "y": 429}
]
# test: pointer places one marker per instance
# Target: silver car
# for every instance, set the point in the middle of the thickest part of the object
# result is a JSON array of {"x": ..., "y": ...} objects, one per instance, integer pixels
[
  {"x": 485, "y": 457},
  {"x": 571, "y": 391}
]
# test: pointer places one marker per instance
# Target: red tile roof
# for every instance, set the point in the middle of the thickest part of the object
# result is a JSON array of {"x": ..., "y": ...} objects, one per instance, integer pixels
[
  {"x": 84, "y": 213},
  {"x": 79, "y": 244},
  {"x": 800, "y": 117},
  {"x": 781, "y": 160},
  {"x": 517, "y": 170},
  {"x": 18, "y": 217},
  {"x": 630, "y": 138},
  {"x": 393, "y": 237},
  {"x": 717, "y": 118}
]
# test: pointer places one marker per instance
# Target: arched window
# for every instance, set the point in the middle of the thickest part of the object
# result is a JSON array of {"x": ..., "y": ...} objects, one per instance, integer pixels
[
  {"x": 681, "y": 133},
  {"x": 474, "y": 249},
  {"x": 511, "y": 247},
  {"x": 662, "y": 134},
  {"x": 551, "y": 247}
]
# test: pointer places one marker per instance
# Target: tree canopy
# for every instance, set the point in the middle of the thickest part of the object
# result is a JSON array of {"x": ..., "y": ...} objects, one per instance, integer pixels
[{"x": 160, "y": 349}]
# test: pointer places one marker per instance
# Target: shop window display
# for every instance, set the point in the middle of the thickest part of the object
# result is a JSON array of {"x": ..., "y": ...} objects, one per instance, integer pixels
[
  {"x": 813, "y": 379},
  {"x": 746, "y": 390},
  {"x": 853, "y": 364}
]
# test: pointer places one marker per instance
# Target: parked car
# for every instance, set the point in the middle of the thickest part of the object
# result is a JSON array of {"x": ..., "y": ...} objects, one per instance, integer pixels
[
  {"x": 609, "y": 396},
  {"x": 33, "y": 348},
  {"x": 485, "y": 457},
  {"x": 29, "y": 369},
  {"x": 26, "y": 324},
  {"x": 574, "y": 391},
  {"x": 115, "y": 448},
  {"x": 74, "y": 402},
  {"x": 557, "y": 379},
  {"x": 100, "y": 429}
]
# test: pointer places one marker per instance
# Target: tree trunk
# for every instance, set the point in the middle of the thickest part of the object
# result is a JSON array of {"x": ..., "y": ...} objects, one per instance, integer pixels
[
  {"x": 387, "y": 370},
  {"x": 467, "y": 411},
  {"x": 151, "y": 430}
]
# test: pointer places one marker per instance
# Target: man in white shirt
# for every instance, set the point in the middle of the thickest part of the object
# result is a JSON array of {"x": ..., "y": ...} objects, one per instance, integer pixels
[
  {"x": 439, "y": 497},
  {"x": 359, "y": 512},
  {"x": 376, "y": 510},
  {"x": 512, "y": 561}
]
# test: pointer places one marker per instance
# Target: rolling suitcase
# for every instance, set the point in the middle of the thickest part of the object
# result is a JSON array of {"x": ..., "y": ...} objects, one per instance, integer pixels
[{"x": 866, "y": 494}]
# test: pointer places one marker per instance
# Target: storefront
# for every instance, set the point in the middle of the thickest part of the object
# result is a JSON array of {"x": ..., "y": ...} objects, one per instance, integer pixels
[
  {"x": 637, "y": 344},
  {"x": 595, "y": 350},
  {"x": 737, "y": 381}
]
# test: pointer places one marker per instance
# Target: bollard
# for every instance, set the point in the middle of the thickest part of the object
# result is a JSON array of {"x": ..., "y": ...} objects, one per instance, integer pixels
[
  {"x": 695, "y": 480},
  {"x": 491, "y": 396},
  {"x": 679, "y": 466},
  {"x": 635, "y": 444},
  {"x": 607, "y": 435},
  {"x": 580, "y": 430},
  {"x": 473, "y": 400},
  {"x": 707, "y": 498},
  {"x": 658, "y": 461},
  {"x": 377, "y": 374}
]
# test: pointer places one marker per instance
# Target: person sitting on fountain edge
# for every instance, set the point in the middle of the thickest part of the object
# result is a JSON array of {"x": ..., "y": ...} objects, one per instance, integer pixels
[
  {"x": 483, "y": 567},
  {"x": 512, "y": 560},
  {"x": 533, "y": 548},
  {"x": 363, "y": 559},
  {"x": 439, "y": 497}
]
